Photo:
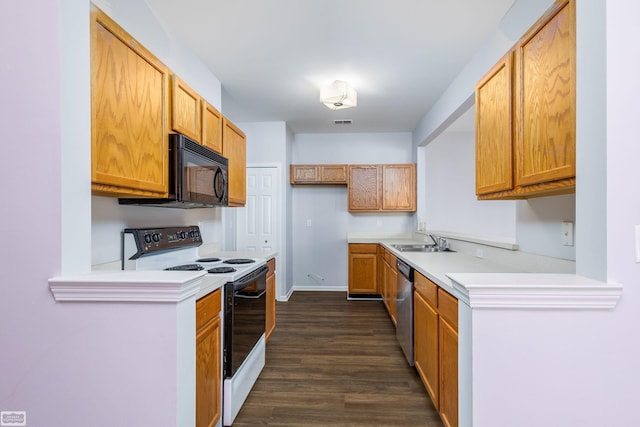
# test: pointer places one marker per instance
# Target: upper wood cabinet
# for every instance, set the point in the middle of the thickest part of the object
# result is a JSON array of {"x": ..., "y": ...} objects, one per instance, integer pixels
[
  {"x": 364, "y": 188},
  {"x": 494, "y": 131},
  {"x": 186, "y": 110},
  {"x": 234, "y": 149},
  {"x": 318, "y": 174},
  {"x": 538, "y": 93},
  {"x": 382, "y": 187},
  {"x": 546, "y": 98},
  {"x": 399, "y": 187},
  {"x": 211, "y": 127},
  {"x": 129, "y": 93}
]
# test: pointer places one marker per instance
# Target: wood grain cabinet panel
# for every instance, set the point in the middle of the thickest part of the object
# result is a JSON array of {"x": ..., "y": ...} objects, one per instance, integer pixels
[
  {"x": 211, "y": 127},
  {"x": 129, "y": 104},
  {"x": 494, "y": 129},
  {"x": 363, "y": 268},
  {"x": 235, "y": 150},
  {"x": 186, "y": 110},
  {"x": 399, "y": 187},
  {"x": 208, "y": 360},
  {"x": 364, "y": 188},
  {"x": 435, "y": 337},
  {"x": 271, "y": 298},
  {"x": 546, "y": 98},
  {"x": 382, "y": 187},
  {"x": 426, "y": 343},
  {"x": 542, "y": 111},
  {"x": 318, "y": 174}
]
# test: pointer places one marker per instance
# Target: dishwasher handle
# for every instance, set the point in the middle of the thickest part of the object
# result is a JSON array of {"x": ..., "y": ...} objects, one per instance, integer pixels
[{"x": 405, "y": 269}]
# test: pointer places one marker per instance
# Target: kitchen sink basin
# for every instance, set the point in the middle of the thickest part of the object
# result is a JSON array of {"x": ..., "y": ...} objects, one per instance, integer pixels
[{"x": 420, "y": 248}]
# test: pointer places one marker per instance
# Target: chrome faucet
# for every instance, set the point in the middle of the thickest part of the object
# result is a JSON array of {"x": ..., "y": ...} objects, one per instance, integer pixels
[{"x": 440, "y": 242}]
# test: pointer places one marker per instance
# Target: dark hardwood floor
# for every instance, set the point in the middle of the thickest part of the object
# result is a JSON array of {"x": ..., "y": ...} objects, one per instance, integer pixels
[{"x": 334, "y": 362}]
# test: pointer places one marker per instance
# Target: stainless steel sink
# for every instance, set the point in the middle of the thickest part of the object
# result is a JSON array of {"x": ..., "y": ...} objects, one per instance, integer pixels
[{"x": 420, "y": 248}]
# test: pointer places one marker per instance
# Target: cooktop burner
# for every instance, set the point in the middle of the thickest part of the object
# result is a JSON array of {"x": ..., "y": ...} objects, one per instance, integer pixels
[
  {"x": 221, "y": 270},
  {"x": 186, "y": 267},
  {"x": 208, "y": 260},
  {"x": 239, "y": 261}
]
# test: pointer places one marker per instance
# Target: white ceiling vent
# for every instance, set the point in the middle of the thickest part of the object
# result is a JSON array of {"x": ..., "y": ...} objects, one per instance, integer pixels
[{"x": 342, "y": 122}]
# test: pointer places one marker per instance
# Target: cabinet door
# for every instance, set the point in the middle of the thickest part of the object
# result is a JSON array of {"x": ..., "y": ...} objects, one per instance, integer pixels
[
  {"x": 333, "y": 174},
  {"x": 448, "y": 344},
  {"x": 425, "y": 335},
  {"x": 234, "y": 149},
  {"x": 271, "y": 298},
  {"x": 494, "y": 129},
  {"x": 363, "y": 269},
  {"x": 186, "y": 113},
  {"x": 208, "y": 360},
  {"x": 211, "y": 127},
  {"x": 546, "y": 98},
  {"x": 399, "y": 187},
  {"x": 392, "y": 287},
  {"x": 129, "y": 94},
  {"x": 364, "y": 187},
  {"x": 303, "y": 174}
]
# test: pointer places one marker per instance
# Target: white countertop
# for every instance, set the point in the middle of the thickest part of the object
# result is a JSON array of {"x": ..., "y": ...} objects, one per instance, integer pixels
[
  {"x": 112, "y": 284},
  {"x": 481, "y": 282}
]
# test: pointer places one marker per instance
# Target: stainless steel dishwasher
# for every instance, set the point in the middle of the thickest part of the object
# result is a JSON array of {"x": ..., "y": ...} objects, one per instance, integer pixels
[{"x": 404, "y": 309}]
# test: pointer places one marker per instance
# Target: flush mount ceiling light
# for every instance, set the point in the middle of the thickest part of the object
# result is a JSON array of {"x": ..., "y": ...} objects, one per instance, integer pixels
[{"x": 338, "y": 95}]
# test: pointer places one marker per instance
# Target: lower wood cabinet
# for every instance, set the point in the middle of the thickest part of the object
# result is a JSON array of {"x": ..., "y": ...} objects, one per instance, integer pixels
[
  {"x": 425, "y": 332},
  {"x": 271, "y": 298},
  {"x": 436, "y": 346},
  {"x": 390, "y": 285},
  {"x": 208, "y": 360},
  {"x": 363, "y": 268}
]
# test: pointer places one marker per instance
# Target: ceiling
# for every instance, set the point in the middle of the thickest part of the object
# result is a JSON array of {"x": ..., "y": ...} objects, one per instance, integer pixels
[{"x": 273, "y": 56}]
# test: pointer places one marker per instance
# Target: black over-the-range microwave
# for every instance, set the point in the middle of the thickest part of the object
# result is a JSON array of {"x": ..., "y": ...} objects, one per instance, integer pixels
[{"x": 197, "y": 177}]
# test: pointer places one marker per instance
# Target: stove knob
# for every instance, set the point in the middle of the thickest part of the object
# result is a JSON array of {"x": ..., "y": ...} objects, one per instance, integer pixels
[
  {"x": 155, "y": 237},
  {"x": 147, "y": 238},
  {"x": 182, "y": 235},
  {"x": 192, "y": 234}
]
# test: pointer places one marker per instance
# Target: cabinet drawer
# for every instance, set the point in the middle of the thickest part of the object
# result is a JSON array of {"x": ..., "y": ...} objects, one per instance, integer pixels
[
  {"x": 448, "y": 307},
  {"x": 363, "y": 248},
  {"x": 390, "y": 258},
  {"x": 426, "y": 288},
  {"x": 208, "y": 307}
]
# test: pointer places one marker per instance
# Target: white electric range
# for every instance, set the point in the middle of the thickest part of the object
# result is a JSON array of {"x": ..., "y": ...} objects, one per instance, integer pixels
[{"x": 244, "y": 299}]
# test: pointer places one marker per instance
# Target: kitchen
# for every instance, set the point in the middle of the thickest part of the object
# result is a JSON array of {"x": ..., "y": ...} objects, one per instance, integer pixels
[{"x": 73, "y": 231}]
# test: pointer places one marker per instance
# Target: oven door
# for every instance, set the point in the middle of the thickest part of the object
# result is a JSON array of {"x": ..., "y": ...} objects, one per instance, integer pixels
[{"x": 245, "y": 313}]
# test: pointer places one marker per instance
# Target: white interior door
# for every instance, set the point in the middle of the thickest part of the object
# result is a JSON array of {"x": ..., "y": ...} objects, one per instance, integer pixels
[{"x": 257, "y": 221}]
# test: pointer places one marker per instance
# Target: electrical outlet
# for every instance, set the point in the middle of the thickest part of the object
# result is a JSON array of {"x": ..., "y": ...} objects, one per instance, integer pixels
[
  {"x": 308, "y": 223},
  {"x": 479, "y": 253},
  {"x": 567, "y": 233}
]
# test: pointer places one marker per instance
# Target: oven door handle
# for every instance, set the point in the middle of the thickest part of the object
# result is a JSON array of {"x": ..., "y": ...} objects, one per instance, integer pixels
[
  {"x": 249, "y": 296},
  {"x": 250, "y": 278}
]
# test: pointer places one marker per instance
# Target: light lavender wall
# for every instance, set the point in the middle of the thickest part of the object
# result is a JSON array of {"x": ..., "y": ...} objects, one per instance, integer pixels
[
  {"x": 619, "y": 350},
  {"x": 320, "y": 220},
  {"x": 66, "y": 364}
]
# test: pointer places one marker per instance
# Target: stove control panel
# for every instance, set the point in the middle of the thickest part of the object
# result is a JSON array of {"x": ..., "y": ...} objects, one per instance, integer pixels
[{"x": 139, "y": 242}]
